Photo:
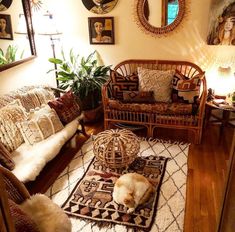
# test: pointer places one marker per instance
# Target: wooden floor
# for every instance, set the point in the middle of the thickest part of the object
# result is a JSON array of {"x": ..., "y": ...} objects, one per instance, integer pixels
[{"x": 207, "y": 165}]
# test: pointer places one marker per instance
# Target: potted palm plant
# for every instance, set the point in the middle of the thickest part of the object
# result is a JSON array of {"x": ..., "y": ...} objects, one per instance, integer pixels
[{"x": 84, "y": 77}]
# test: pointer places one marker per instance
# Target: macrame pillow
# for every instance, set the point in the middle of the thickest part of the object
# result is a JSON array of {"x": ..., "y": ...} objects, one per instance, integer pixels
[
  {"x": 122, "y": 83},
  {"x": 138, "y": 96},
  {"x": 35, "y": 98},
  {"x": 186, "y": 90},
  {"x": 66, "y": 107},
  {"x": 158, "y": 81},
  {"x": 22, "y": 221},
  {"x": 5, "y": 158},
  {"x": 40, "y": 124},
  {"x": 10, "y": 135}
]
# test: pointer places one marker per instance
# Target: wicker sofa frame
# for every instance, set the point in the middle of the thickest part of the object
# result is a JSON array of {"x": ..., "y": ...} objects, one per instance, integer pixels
[{"x": 151, "y": 120}]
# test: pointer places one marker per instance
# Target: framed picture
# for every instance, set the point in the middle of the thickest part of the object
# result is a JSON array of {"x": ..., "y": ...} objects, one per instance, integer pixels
[
  {"x": 101, "y": 30},
  {"x": 99, "y": 6},
  {"x": 5, "y": 27},
  {"x": 222, "y": 23}
]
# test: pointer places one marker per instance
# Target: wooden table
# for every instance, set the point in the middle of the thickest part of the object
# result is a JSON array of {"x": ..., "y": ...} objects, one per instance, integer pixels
[{"x": 224, "y": 121}]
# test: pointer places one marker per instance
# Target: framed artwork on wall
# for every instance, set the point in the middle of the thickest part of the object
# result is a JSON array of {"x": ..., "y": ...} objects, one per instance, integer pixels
[
  {"x": 222, "y": 23},
  {"x": 99, "y": 6},
  {"x": 101, "y": 30},
  {"x": 5, "y": 4},
  {"x": 5, "y": 27}
]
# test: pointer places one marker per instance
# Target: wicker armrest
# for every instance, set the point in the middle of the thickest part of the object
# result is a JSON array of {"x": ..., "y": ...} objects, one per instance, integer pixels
[{"x": 15, "y": 189}]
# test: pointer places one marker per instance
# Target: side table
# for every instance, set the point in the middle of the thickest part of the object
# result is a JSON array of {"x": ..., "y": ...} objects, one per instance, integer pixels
[{"x": 224, "y": 121}]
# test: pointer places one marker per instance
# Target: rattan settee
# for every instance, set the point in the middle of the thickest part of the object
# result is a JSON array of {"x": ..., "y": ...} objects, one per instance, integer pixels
[{"x": 193, "y": 123}]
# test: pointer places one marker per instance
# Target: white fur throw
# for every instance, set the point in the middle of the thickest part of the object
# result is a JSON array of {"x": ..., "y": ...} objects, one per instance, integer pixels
[
  {"x": 30, "y": 159},
  {"x": 47, "y": 215}
]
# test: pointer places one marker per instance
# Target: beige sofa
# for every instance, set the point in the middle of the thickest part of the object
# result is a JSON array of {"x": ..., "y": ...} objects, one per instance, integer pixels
[{"x": 30, "y": 159}]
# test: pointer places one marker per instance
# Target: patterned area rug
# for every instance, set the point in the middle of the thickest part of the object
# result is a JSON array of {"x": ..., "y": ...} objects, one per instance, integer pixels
[
  {"x": 171, "y": 203},
  {"x": 92, "y": 196}
]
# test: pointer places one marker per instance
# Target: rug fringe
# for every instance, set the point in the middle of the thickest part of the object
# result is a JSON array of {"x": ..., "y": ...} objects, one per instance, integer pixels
[{"x": 156, "y": 140}]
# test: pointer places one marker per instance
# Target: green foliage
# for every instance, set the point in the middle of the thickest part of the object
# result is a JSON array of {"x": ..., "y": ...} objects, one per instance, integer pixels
[
  {"x": 10, "y": 55},
  {"x": 82, "y": 75}
]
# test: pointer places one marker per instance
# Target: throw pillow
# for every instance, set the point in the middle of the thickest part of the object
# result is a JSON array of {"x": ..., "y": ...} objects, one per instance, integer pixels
[
  {"x": 186, "y": 90},
  {"x": 10, "y": 135},
  {"x": 66, "y": 107},
  {"x": 122, "y": 83},
  {"x": 138, "y": 96},
  {"x": 40, "y": 124},
  {"x": 158, "y": 81},
  {"x": 21, "y": 220},
  {"x": 5, "y": 158}
]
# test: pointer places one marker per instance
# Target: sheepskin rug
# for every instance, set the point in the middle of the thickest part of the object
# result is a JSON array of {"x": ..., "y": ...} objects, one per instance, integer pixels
[{"x": 48, "y": 216}]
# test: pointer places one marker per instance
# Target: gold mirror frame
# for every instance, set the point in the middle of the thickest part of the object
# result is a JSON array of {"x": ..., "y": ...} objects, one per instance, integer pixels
[
  {"x": 144, "y": 24},
  {"x": 28, "y": 16}
]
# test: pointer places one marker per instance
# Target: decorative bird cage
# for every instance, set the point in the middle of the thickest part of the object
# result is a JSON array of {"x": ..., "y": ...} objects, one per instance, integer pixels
[{"x": 116, "y": 148}]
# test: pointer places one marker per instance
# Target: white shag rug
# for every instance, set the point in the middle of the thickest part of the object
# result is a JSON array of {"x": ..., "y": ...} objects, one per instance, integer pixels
[{"x": 171, "y": 203}]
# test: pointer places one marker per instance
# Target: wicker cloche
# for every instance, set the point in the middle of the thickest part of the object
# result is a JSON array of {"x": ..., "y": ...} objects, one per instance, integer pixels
[{"x": 116, "y": 148}]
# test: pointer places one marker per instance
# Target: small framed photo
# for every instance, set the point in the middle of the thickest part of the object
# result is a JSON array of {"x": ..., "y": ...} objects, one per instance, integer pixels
[
  {"x": 101, "y": 30},
  {"x": 5, "y": 27}
]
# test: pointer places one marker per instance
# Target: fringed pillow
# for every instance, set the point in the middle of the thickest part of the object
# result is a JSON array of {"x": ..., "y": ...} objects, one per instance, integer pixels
[
  {"x": 40, "y": 124},
  {"x": 66, "y": 107},
  {"x": 158, "y": 81},
  {"x": 10, "y": 135},
  {"x": 186, "y": 90},
  {"x": 122, "y": 83}
]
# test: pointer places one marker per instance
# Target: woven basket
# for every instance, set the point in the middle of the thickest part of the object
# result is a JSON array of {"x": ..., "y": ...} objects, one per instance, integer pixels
[{"x": 116, "y": 148}]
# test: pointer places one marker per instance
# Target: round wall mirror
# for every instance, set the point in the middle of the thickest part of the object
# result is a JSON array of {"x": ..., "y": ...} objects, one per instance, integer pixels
[{"x": 160, "y": 16}]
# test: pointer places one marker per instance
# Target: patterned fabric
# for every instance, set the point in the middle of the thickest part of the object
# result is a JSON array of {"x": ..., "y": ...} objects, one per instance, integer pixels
[
  {"x": 10, "y": 135},
  {"x": 92, "y": 196},
  {"x": 123, "y": 83},
  {"x": 5, "y": 158},
  {"x": 158, "y": 81},
  {"x": 186, "y": 90},
  {"x": 66, "y": 107},
  {"x": 30, "y": 96},
  {"x": 22, "y": 221},
  {"x": 40, "y": 125},
  {"x": 156, "y": 108},
  {"x": 171, "y": 203},
  {"x": 138, "y": 96}
]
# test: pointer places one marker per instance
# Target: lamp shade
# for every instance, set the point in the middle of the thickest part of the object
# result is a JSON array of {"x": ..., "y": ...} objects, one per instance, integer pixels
[
  {"x": 47, "y": 25},
  {"x": 21, "y": 27}
]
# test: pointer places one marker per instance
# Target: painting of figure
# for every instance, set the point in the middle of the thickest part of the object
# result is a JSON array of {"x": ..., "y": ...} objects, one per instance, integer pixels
[
  {"x": 222, "y": 24},
  {"x": 5, "y": 27}
]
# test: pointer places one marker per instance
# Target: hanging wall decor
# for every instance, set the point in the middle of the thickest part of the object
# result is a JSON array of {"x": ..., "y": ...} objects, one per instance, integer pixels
[
  {"x": 222, "y": 23},
  {"x": 5, "y": 27},
  {"x": 101, "y": 30},
  {"x": 99, "y": 6},
  {"x": 5, "y": 4}
]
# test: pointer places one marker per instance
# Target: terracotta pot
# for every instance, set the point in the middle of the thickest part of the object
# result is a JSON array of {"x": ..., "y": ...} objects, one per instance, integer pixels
[{"x": 93, "y": 115}]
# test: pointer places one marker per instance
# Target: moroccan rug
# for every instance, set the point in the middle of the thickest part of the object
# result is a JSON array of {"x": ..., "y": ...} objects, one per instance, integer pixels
[{"x": 171, "y": 203}]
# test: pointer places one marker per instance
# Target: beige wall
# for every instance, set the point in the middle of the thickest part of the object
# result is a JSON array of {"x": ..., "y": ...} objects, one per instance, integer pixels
[{"x": 188, "y": 43}]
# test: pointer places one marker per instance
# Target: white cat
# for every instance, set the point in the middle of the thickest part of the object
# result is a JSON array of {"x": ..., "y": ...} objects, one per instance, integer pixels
[{"x": 131, "y": 190}]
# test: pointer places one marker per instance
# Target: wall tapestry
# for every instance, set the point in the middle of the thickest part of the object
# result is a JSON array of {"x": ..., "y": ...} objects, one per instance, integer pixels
[{"x": 222, "y": 23}]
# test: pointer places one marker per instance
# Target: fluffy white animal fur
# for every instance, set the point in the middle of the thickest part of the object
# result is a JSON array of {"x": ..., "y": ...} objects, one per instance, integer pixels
[
  {"x": 48, "y": 216},
  {"x": 131, "y": 190},
  {"x": 31, "y": 159}
]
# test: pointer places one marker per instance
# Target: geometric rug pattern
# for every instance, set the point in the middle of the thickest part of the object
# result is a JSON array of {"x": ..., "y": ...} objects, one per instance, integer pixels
[
  {"x": 92, "y": 197},
  {"x": 171, "y": 202}
]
